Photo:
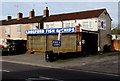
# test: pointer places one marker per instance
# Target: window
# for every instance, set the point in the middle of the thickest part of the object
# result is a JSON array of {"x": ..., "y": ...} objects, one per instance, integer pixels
[
  {"x": 87, "y": 24},
  {"x": 49, "y": 26},
  {"x": 69, "y": 24},
  {"x": 33, "y": 27},
  {"x": 72, "y": 24},
  {"x": 102, "y": 24},
  {"x": 7, "y": 30},
  {"x": 19, "y": 29}
]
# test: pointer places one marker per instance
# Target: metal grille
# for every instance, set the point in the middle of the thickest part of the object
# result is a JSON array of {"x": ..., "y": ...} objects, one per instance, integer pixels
[
  {"x": 68, "y": 43},
  {"x": 37, "y": 43},
  {"x": 44, "y": 42}
]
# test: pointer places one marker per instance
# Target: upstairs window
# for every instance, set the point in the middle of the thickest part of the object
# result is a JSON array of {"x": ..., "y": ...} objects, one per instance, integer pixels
[
  {"x": 49, "y": 26},
  {"x": 7, "y": 30},
  {"x": 87, "y": 24},
  {"x": 18, "y": 29},
  {"x": 69, "y": 24},
  {"x": 72, "y": 24},
  {"x": 32, "y": 27}
]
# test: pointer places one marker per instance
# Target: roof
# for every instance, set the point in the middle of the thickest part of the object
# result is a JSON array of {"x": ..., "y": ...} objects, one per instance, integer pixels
[
  {"x": 22, "y": 20},
  {"x": 75, "y": 15},
  {"x": 58, "y": 17}
]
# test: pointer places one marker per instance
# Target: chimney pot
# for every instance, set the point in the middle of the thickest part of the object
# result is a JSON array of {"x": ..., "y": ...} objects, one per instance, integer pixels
[
  {"x": 32, "y": 13},
  {"x": 9, "y": 17},
  {"x": 20, "y": 15},
  {"x": 46, "y": 12}
]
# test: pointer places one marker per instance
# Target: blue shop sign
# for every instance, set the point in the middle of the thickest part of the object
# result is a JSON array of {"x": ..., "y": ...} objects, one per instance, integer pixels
[{"x": 51, "y": 30}]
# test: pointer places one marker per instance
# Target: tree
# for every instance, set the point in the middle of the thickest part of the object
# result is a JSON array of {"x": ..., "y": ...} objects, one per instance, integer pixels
[{"x": 116, "y": 30}]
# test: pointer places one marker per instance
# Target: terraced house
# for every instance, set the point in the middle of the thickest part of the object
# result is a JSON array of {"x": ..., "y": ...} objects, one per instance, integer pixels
[
  {"x": 94, "y": 30},
  {"x": 13, "y": 30}
]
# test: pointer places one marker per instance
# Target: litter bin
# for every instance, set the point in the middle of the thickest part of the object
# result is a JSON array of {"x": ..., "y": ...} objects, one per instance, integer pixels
[{"x": 49, "y": 56}]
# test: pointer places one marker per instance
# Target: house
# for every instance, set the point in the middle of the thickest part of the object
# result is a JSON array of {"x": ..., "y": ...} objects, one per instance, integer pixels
[
  {"x": 93, "y": 35},
  {"x": 13, "y": 30}
]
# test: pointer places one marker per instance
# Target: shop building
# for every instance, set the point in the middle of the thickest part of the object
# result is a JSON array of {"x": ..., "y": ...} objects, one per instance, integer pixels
[{"x": 94, "y": 32}]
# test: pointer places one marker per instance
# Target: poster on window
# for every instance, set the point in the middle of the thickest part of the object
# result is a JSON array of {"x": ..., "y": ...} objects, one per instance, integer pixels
[{"x": 102, "y": 24}]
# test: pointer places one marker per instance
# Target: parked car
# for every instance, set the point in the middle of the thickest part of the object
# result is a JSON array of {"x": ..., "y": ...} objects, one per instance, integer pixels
[
  {"x": 3, "y": 50},
  {"x": 17, "y": 47},
  {"x": 1, "y": 46}
]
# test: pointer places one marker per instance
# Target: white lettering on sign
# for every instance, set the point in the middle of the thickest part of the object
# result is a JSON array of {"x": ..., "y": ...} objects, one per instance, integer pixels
[{"x": 52, "y": 30}]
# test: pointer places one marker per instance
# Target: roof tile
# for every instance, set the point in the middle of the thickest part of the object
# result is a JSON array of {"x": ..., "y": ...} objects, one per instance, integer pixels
[{"x": 75, "y": 15}]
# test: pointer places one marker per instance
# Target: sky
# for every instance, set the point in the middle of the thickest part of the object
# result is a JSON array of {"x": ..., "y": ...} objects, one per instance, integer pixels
[{"x": 11, "y": 8}]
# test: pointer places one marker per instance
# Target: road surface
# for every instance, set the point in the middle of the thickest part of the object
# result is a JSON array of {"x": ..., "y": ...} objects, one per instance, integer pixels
[{"x": 22, "y": 72}]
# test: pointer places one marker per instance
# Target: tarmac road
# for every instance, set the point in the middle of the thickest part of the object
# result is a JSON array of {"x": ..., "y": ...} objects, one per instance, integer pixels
[
  {"x": 23, "y": 72},
  {"x": 106, "y": 63}
]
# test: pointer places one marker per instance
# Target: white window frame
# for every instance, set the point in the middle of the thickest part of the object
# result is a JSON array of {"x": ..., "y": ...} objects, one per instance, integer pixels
[
  {"x": 87, "y": 24},
  {"x": 32, "y": 27},
  {"x": 72, "y": 24},
  {"x": 7, "y": 30},
  {"x": 49, "y": 26},
  {"x": 69, "y": 24},
  {"x": 19, "y": 29}
]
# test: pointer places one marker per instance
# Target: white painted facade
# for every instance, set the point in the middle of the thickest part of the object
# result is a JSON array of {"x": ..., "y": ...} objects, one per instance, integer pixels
[
  {"x": 86, "y": 24},
  {"x": 102, "y": 24}
]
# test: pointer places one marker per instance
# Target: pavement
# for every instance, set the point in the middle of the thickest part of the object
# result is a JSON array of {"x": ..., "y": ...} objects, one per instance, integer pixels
[{"x": 106, "y": 63}]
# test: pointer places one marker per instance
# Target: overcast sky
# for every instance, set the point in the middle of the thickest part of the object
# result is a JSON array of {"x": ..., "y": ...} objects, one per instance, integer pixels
[{"x": 12, "y": 7}]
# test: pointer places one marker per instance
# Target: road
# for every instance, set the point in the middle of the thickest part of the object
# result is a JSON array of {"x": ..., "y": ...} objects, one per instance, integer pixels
[{"x": 22, "y": 72}]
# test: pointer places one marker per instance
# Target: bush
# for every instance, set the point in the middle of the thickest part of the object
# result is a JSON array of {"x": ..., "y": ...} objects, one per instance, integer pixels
[{"x": 107, "y": 48}]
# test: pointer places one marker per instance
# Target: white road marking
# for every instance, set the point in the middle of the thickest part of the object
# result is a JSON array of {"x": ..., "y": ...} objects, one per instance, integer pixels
[
  {"x": 4, "y": 70},
  {"x": 42, "y": 78},
  {"x": 46, "y": 78}
]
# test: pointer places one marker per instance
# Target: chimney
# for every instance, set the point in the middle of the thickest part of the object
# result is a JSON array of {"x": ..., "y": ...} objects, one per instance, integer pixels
[
  {"x": 9, "y": 17},
  {"x": 46, "y": 12},
  {"x": 32, "y": 13},
  {"x": 20, "y": 15}
]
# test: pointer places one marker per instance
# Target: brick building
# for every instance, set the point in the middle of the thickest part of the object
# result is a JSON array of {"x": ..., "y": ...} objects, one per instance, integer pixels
[
  {"x": 95, "y": 30},
  {"x": 94, "y": 34},
  {"x": 14, "y": 29}
]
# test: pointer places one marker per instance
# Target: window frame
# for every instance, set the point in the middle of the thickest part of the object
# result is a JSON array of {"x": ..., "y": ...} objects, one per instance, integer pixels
[
  {"x": 19, "y": 29},
  {"x": 87, "y": 24},
  {"x": 7, "y": 30}
]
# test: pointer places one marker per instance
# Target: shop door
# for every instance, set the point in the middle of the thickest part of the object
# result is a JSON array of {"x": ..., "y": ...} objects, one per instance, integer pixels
[{"x": 89, "y": 43}]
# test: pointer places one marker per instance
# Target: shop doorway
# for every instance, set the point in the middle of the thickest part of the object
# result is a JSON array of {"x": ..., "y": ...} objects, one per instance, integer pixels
[{"x": 89, "y": 43}]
